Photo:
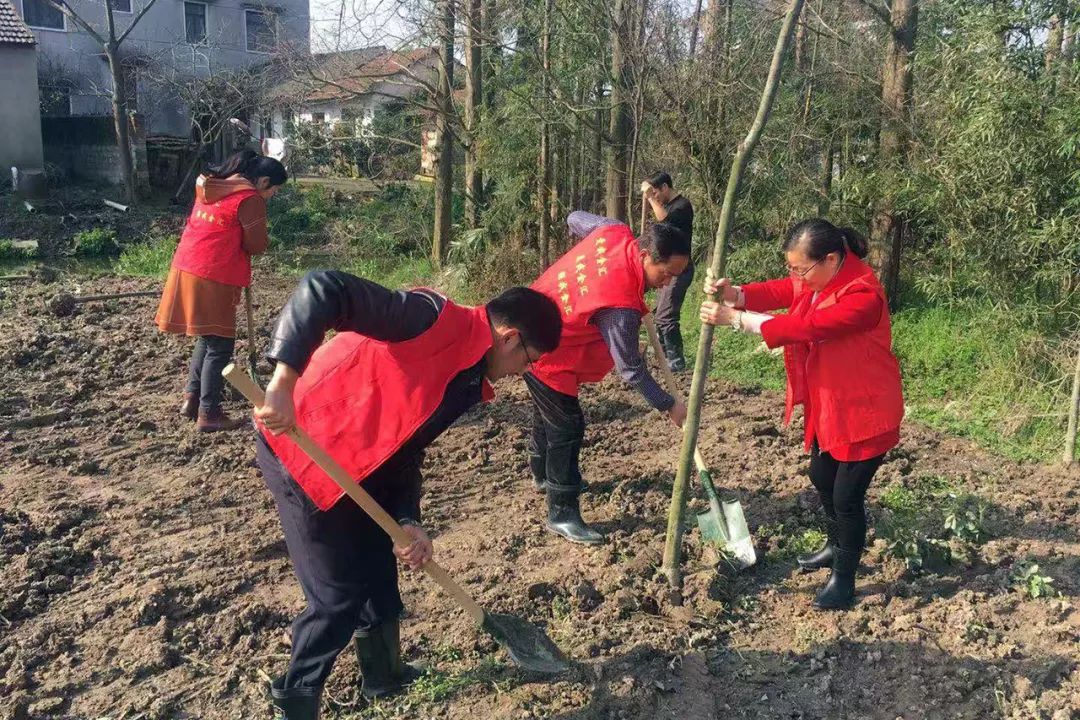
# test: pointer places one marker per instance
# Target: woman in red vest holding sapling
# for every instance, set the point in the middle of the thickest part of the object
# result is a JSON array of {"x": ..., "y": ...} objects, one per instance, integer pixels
[
  {"x": 211, "y": 264},
  {"x": 837, "y": 341}
]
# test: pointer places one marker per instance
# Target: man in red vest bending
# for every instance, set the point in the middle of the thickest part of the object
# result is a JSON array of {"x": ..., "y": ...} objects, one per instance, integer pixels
[
  {"x": 402, "y": 367},
  {"x": 600, "y": 288}
]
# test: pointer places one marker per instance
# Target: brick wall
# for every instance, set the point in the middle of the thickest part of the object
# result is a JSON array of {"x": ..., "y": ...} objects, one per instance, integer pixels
[{"x": 84, "y": 147}]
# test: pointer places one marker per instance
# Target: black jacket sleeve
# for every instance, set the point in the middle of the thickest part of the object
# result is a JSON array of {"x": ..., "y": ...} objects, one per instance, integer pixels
[{"x": 332, "y": 300}]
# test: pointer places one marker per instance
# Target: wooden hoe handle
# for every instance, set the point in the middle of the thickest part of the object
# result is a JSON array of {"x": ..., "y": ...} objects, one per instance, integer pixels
[{"x": 341, "y": 477}]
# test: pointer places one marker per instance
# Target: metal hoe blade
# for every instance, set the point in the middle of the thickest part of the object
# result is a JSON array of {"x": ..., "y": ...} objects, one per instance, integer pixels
[{"x": 527, "y": 645}]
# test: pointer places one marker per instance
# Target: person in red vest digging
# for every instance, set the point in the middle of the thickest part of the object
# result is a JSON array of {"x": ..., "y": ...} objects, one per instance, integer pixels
[
  {"x": 837, "y": 342},
  {"x": 599, "y": 286},
  {"x": 211, "y": 264},
  {"x": 402, "y": 367}
]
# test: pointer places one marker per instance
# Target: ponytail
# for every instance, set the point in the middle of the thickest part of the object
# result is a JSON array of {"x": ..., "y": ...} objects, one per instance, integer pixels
[
  {"x": 818, "y": 237},
  {"x": 251, "y": 166}
]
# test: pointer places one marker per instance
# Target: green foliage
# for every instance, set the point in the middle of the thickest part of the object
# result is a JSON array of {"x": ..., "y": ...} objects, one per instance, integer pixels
[
  {"x": 929, "y": 522},
  {"x": 97, "y": 242},
  {"x": 790, "y": 539},
  {"x": 1031, "y": 582},
  {"x": 147, "y": 259},
  {"x": 9, "y": 252}
]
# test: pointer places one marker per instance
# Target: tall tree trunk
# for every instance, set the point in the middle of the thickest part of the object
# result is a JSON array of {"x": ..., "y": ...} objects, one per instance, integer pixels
[
  {"x": 695, "y": 26},
  {"x": 1055, "y": 38},
  {"x": 543, "y": 193},
  {"x": 801, "y": 57},
  {"x": 119, "y": 107},
  {"x": 619, "y": 130},
  {"x": 828, "y": 163},
  {"x": 474, "y": 100},
  {"x": 444, "y": 137},
  {"x": 597, "y": 192},
  {"x": 887, "y": 228},
  {"x": 1074, "y": 412}
]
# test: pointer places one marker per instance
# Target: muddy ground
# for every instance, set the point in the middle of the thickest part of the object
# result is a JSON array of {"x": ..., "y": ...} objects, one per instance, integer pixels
[{"x": 143, "y": 574}]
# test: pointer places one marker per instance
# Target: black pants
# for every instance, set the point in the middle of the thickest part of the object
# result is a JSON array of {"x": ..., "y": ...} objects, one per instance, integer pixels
[
  {"x": 211, "y": 355},
  {"x": 669, "y": 302},
  {"x": 345, "y": 564},
  {"x": 842, "y": 488},
  {"x": 557, "y": 432}
]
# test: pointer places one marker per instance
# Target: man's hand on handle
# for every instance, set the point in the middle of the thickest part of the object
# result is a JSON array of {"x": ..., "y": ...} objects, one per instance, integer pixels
[
  {"x": 677, "y": 413},
  {"x": 277, "y": 413},
  {"x": 419, "y": 551}
]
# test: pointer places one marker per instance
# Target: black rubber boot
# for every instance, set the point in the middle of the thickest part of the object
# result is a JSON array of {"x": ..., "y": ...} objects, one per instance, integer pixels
[
  {"x": 564, "y": 517},
  {"x": 823, "y": 558},
  {"x": 538, "y": 467},
  {"x": 300, "y": 703},
  {"x": 378, "y": 651},
  {"x": 839, "y": 591}
]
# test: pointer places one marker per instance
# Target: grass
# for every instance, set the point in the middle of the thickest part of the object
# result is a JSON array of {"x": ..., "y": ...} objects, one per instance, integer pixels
[
  {"x": 434, "y": 686},
  {"x": 147, "y": 259},
  {"x": 10, "y": 252}
]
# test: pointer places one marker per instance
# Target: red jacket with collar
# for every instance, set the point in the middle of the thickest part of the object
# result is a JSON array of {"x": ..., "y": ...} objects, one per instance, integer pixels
[
  {"x": 362, "y": 399},
  {"x": 839, "y": 359}
]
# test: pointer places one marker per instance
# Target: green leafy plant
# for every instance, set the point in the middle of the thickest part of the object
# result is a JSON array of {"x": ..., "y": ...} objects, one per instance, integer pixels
[
  {"x": 97, "y": 242},
  {"x": 1032, "y": 582},
  {"x": 147, "y": 259}
]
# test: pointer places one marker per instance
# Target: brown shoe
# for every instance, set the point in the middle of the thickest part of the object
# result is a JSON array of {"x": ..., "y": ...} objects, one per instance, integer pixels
[
  {"x": 216, "y": 419},
  {"x": 190, "y": 407}
]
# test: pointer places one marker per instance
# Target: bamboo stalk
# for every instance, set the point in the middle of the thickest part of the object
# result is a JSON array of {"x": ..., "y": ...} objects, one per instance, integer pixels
[
  {"x": 1074, "y": 411},
  {"x": 673, "y": 541}
]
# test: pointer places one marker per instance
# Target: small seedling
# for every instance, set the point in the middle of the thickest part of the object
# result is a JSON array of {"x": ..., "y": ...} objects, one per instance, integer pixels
[{"x": 1033, "y": 583}]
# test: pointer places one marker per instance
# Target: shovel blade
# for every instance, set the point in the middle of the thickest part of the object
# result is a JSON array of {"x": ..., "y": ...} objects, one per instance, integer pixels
[
  {"x": 528, "y": 646},
  {"x": 730, "y": 532}
]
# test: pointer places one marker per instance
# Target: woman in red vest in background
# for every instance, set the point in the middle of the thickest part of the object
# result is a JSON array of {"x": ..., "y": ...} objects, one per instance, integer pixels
[
  {"x": 211, "y": 264},
  {"x": 837, "y": 341}
]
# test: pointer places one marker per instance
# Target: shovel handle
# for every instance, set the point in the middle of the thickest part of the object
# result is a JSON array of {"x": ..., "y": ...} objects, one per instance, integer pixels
[
  {"x": 253, "y": 355},
  {"x": 669, "y": 378},
  {"x": 249, "y": 389}
]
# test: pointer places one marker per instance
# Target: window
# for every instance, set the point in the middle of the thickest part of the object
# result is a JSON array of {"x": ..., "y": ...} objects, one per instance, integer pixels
[
  {"x": 195, "y": 22},
  {"x": 318, "y": 118},
  {"x": 261, "y": 30},
  {"x": 40, "y": 14},
  {"x": 123, "y": 6}
]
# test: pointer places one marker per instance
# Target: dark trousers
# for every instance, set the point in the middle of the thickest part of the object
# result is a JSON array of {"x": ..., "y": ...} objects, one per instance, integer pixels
[
  {"x": 345, "y": 565},
  {"x": 557, "y": 431},
  {"x": 842, "y": 488},
  {"x": 211, "y": 355},
  {"x": 669, "y": 302}
]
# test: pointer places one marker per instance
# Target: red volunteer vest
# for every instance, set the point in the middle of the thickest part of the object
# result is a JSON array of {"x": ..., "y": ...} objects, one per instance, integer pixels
[
  {"x": 854, "y": 380},
  {"x": 362, "y": 399},
  {"x": 212, "y": 244},
  {"x": 602, "y": 271}
]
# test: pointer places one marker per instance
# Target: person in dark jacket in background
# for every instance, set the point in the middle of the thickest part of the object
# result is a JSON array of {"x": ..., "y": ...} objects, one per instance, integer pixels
[
  {"x": 672, "y": 208},
  {"x": 211, "y": 266},
  {"x": 402, "y": 367}
]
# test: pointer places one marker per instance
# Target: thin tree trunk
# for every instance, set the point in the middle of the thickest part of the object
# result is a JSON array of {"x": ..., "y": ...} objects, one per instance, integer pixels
[
  {"x": 1055, "y": 38},
  {"x": 544, "y": 187},
  {"x": 800, "y": 43},
  {"x": 474, "y": 100},
  {"x": 828, "y": 163},
  {"x": 1074, "y": 411},
  {"x": 619, "y": 129},
  {"x": 598, "y": 151},
  {"x": 444, "y": 138},
  {"x": 119, "y": 107},
  {"x": 887, "y": 228},
  {"x": 673, "y": 542},
  {"x": 695, "y": 26}
]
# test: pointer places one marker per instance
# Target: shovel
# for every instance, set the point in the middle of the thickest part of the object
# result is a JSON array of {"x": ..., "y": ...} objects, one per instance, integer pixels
[
  {"x": 528, "y": 647},
  {"x": 724, "y": 525},
  {"x": 253, "y": 355}
]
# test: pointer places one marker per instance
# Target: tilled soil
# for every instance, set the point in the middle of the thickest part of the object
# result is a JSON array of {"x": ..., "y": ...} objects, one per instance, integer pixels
[{"x": 143, "y": 573}]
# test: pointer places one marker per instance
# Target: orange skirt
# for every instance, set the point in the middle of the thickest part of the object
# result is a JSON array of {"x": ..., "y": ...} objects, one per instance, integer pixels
[{"x": 191, "y": 305}]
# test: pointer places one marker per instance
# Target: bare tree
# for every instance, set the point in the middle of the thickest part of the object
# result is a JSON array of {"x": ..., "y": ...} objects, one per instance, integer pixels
[
  {"x": 474, "y": 101},
  {"x": 444, "y": 99},
  {"x": 619, "y": 130},
  {"x": 110, "y": 39}
]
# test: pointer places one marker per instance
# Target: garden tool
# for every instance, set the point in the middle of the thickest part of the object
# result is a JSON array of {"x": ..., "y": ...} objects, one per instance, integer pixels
[
  {"x": 724, "y": 525},
  {"x": 527, "y": 645},
  {"x": 253, "y": 355}
]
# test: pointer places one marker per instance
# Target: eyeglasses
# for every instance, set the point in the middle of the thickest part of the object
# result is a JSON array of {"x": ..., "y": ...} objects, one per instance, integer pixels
[
  {"x": 803, "y": 273},
  {"x": 528, "y": 358}
]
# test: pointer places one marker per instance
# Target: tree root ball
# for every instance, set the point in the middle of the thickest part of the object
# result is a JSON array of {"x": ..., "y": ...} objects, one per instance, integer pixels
[
  {"x": 62, "y": 305},
  {"x": 46, "y": 274}
]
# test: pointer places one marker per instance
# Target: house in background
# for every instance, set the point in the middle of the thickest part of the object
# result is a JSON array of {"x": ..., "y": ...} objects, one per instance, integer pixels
[
  {"x": 186, "y": 38},
  {"x": 20, "y": 142}
]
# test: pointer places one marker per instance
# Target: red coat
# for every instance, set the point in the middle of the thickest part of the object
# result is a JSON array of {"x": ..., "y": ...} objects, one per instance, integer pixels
[
  {"x": 362, "y": 399},
  {"x": 602, "y": 271},
  {"x": 212, "y": 244},
  {"x": 839, "y": 359}
]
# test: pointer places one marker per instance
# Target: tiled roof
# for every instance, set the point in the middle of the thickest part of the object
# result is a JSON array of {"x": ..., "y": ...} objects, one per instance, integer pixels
[{"x": 13, "y": 30}]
